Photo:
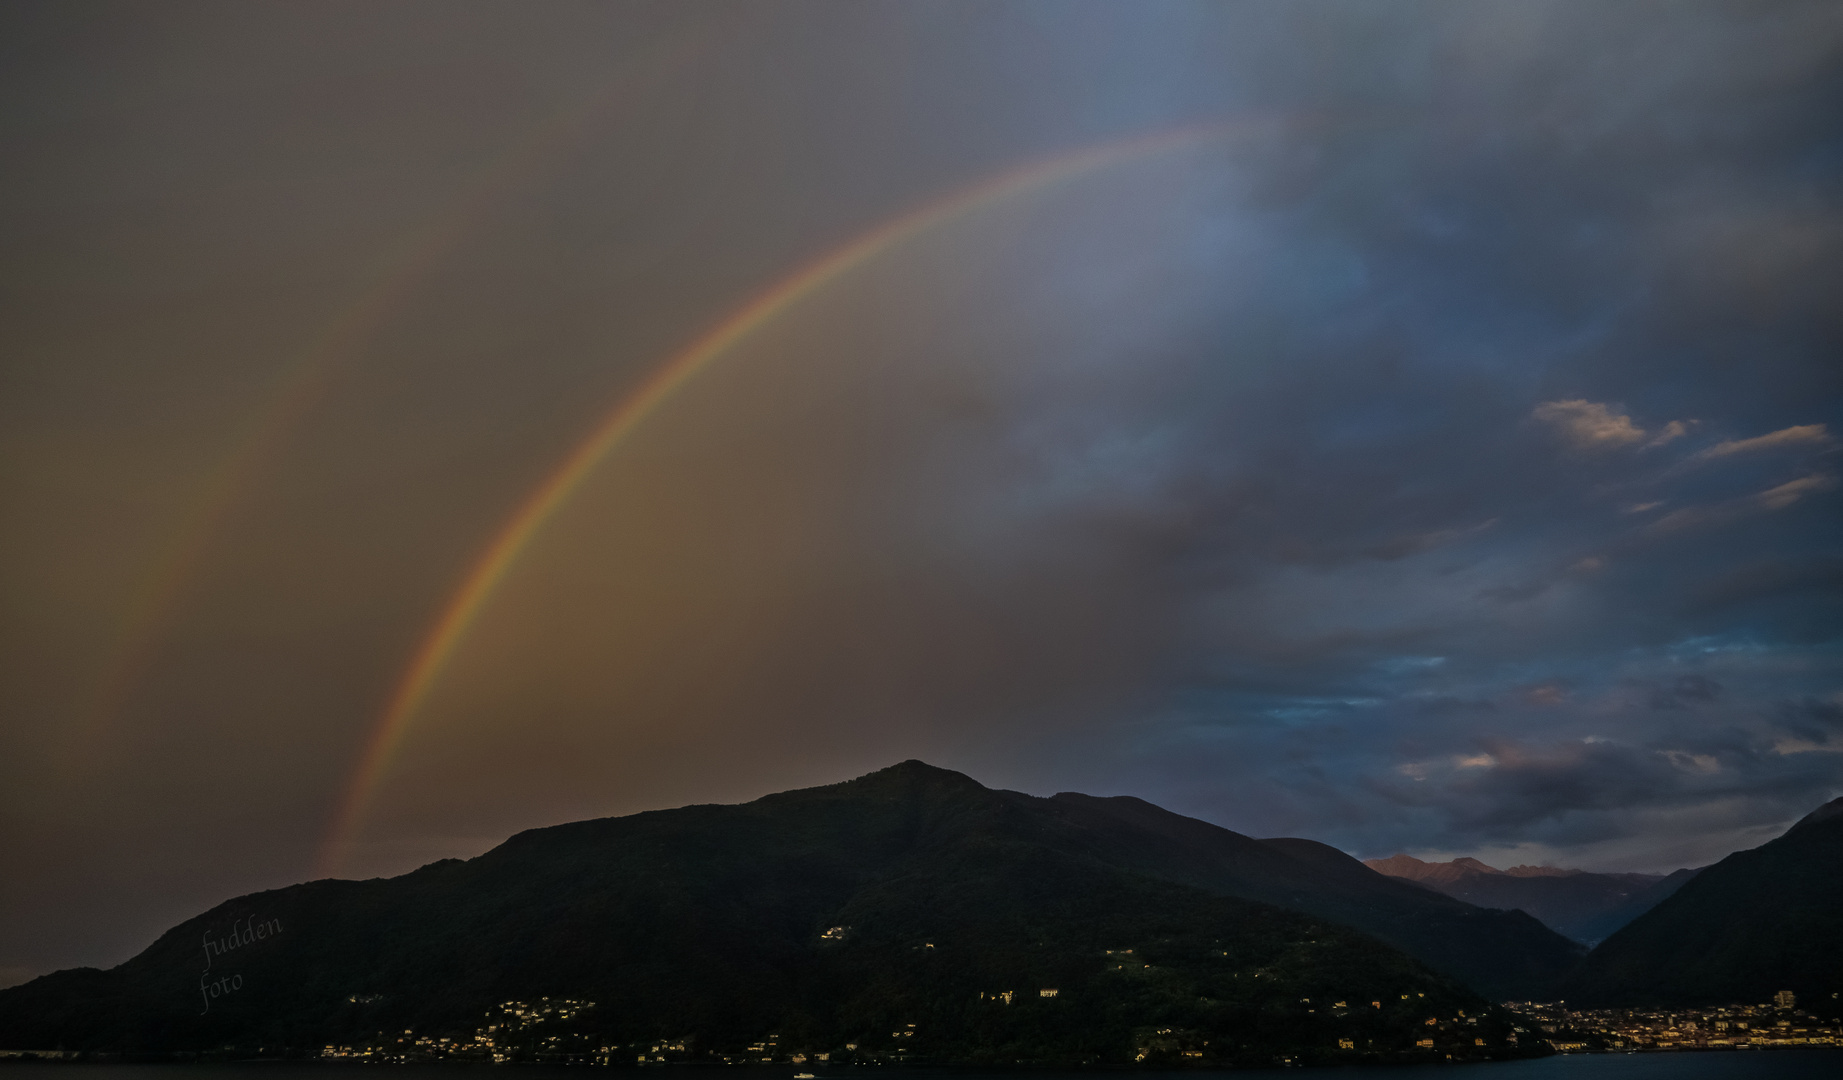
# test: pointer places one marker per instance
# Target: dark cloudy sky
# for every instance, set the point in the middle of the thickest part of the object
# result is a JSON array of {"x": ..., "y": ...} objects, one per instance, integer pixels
[{"x": 1441, "y": 456}]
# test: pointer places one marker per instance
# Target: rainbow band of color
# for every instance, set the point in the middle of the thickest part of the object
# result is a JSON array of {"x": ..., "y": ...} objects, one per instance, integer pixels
[
  {"x": 399, "y": 270},
  {"x": 490, "y": 569}
]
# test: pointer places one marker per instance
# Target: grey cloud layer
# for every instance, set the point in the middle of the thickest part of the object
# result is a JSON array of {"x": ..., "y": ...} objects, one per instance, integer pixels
[
  {"x": 1447, "y": 460},
  {"x": 1532, "y": 411}
]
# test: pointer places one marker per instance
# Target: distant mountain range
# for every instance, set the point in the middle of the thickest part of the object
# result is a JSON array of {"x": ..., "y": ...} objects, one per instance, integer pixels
[
  {"x": 1584, "y": 906},
  {"x": 911, "y": 914},
  {"x": 1755, "y": 923}
]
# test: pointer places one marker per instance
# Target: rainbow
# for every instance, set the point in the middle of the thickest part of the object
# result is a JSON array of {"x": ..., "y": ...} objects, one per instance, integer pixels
[
  {"x": 489, "y": 570},
  {"x": 306, "y": 377}
]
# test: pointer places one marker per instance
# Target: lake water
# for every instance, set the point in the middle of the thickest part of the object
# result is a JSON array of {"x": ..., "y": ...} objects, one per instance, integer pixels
[{"x": 1819, "y": 1064}]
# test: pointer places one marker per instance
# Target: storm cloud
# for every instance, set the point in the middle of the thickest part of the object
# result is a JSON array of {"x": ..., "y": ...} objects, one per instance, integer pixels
[{"x": 1431, "y": 446}]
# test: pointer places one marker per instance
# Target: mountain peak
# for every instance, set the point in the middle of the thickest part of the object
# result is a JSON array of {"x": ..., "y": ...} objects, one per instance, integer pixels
[
  {"x": 1542, "y": 871},
  {"x": 917, "y": 771},
  {"x": 1401, "y": 866},
  {"x": 905, "y": 779},
  {"x": 1407, "y": 866},
  {"x": 723, "y": 915}
]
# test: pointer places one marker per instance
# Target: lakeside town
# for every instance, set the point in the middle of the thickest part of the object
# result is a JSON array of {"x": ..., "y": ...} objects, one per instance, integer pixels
[
  {"x": 1730, "y": 1027},
  {"x": 518, "y": 1031}
]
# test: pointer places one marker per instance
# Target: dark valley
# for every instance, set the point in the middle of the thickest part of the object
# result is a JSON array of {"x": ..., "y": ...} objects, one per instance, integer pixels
[{"x": 1584, "y": 906}]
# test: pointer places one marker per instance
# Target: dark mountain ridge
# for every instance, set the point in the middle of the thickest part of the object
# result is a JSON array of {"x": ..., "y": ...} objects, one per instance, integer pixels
[
  {"x": 1501, "y": 954},
  {"x": 827, "y": 915},
  {"x": 1755, "y": 923}
]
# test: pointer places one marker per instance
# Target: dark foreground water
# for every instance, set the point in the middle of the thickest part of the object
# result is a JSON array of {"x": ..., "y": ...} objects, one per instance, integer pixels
[{"x": 1819, "y": 1064}]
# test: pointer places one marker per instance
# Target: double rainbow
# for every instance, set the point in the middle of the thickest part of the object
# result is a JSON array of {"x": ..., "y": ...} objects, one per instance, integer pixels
[{"x": 490, "y": 569}]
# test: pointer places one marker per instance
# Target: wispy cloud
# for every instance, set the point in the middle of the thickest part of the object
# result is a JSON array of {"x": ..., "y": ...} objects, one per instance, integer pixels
[
  {"x": 1773, "y": 498},
  {"x": 1803, "y": 435},
  {"x": 1589, "y": 425},
  {"x": 1778, "y": 498},
  {"x": 1594, "y": 425},
  {"x": 1670, "y": 432}
]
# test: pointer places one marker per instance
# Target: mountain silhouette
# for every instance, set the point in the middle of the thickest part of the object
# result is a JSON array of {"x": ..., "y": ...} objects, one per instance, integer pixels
[
  {"x": 907, "y": 900},
  {"x": 1755, "y": 923}
]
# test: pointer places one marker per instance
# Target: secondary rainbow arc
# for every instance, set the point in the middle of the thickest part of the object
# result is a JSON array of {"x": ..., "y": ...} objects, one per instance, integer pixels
[{"x": 306, "y": 376}]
